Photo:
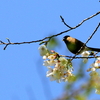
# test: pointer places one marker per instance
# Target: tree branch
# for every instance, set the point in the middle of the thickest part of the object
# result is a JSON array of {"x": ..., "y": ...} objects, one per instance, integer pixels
[
  {"x": 70, "y": 28},
  {"x": 87, "y": 41},
  {"x": 80, "y": 22},
  {"x": 79, "y": 57}
]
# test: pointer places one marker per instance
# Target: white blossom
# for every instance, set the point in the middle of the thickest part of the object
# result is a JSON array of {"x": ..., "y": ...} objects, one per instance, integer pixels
[
  {"x": 85, "y": 54},
  {"x": 63, "y": 61},
  {"x": 49, "y": 72},
  {"x": 49, "y": 63},
  {"x": 51, "y": 57},
  {"x": 98, "y": 58},
  {"x": 95, "y": 65},
  {"x": 43, "y": 50},
  {"x": 44, "y": 57}
]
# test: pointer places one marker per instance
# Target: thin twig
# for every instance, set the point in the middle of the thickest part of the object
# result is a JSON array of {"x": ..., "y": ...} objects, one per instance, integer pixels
[
  {"x": 5, "y": 47},
  {"x": 65, "y": 22}
]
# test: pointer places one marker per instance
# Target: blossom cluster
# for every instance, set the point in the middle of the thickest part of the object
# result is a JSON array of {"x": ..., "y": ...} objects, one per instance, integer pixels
[
  {"x": 59, "y": 68},
  {"x": 95, "y": 65},
  {"x": 95, "y": 76}
]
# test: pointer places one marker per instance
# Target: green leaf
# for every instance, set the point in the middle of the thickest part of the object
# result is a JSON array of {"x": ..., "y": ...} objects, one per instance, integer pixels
[{"x": 52, "y": 43}]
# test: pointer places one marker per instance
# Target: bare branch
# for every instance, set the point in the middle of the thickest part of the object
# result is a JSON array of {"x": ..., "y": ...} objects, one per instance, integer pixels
[
  {"x": 79, "y": 57},
  {"x": 80, "y": 22},
  {"x": 70, "y": 28},
  {"x": 87, "y": 41},
  {"x": 64, "y": 22},
  {"x": 88, "y": 19},
  {"x": 5, "y": 47}
]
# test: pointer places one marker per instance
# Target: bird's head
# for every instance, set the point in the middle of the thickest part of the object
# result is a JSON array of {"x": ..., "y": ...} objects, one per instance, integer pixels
[{"x": 65, "y": 38}]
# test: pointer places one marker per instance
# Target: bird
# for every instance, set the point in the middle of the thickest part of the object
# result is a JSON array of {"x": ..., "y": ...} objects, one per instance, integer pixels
[{"x": 75, "y": 46}]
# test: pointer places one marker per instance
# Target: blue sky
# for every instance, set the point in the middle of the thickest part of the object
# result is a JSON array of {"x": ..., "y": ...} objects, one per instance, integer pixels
[{"x": 21, "y": 72}]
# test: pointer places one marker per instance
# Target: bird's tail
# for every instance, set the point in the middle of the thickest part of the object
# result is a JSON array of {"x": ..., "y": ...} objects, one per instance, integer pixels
[{"x": 94, "y": 49}]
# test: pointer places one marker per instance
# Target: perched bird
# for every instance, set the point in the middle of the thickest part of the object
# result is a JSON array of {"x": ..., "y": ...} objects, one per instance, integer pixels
[{"x": 74, "y": 45}]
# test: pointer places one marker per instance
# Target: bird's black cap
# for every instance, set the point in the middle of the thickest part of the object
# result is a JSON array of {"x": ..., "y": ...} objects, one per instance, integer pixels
[{"x": 65, "y": 37}]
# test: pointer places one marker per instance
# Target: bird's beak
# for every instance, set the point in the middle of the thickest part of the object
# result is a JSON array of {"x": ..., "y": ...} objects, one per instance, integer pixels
[{"x": 62, "y": 39}]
